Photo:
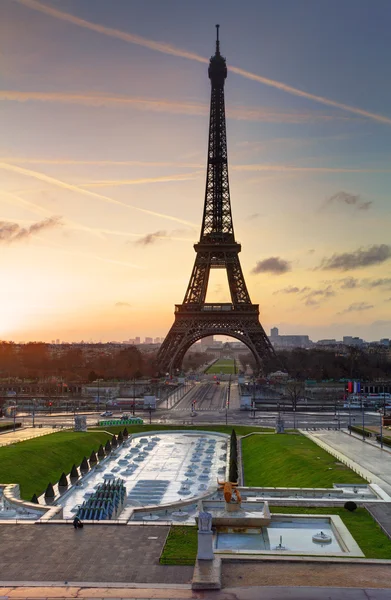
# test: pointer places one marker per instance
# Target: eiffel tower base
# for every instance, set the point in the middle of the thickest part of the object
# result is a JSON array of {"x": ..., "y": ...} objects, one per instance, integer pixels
[{"x": 191, "y": 326}]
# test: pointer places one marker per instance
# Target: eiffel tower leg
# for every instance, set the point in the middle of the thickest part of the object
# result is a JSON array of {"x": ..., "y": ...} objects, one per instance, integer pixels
[{"x": 188, "y": 329}]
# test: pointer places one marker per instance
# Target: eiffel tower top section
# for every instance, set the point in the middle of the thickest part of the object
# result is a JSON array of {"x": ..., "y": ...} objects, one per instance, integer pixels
[{"x": 217, "y": 226}]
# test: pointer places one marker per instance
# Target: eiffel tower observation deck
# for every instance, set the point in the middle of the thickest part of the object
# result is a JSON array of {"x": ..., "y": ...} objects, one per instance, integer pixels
[{"x": 217, "y": 249}]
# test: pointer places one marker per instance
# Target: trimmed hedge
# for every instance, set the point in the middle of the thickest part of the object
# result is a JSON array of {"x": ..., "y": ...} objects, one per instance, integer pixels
[
  {"x": 8, "y": 426},
  {"x": 356, "y": 429},
  {"x": 386, "y": 440}
]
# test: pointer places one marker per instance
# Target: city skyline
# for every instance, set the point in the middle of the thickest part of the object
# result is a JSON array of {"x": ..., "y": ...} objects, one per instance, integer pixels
[{"x": 103, "y": 163}]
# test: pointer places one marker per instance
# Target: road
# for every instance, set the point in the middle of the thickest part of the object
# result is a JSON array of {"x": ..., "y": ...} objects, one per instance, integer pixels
[{"x": 211, "y": 406}]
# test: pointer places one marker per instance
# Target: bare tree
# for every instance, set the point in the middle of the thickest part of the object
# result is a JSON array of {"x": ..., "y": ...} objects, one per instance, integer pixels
[{"x": 294, "y": 391}]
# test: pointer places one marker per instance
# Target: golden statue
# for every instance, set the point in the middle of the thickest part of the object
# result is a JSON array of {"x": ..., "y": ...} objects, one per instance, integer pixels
[{"x": 230, "y": 489}]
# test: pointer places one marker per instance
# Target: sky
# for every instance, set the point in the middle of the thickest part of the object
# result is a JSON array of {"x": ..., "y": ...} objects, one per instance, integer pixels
[{"x": 104, "y": 121}]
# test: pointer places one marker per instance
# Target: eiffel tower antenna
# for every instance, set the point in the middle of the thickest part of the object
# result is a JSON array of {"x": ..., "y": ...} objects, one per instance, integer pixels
[{"x": 217, "y": 249}]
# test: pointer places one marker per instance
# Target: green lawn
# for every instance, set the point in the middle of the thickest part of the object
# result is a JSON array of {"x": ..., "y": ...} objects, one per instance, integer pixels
[
  {"x": 291, "y": 461},
  {"x": 35, "y": 462},
  {"x": 240, "y": 429},
  {"x": 181, "y": 544},
  {"x": 223, "y": 365},
  {"x": 367, "y": 533}
]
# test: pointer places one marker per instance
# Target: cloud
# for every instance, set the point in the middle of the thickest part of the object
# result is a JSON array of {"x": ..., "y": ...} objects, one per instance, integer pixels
[
  {"x": 122, "y": 304},
  {"x": 292, "y": 290},
  {"x": 12, "y": 232},
  {"x": 253, "y": 216},
  {"x": 356, "y": 307},
  {"x": 163, "y": 105},
  {"x": 348, "y": 199},
  {"x": 349, "y": 283},
  {"x": 274, "y": 264},
  {"x": 384, "y": 281},
  {"x": 315, "y": 297},
  {"x": 359, "y": 258},
  {"x": 151, "y": 238},
  {"x": 174, "y": 51},
  {"x": 75, "y": 188}
]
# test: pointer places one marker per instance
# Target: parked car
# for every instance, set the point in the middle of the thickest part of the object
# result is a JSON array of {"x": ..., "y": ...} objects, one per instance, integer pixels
[{"x": 107, "y": 413}]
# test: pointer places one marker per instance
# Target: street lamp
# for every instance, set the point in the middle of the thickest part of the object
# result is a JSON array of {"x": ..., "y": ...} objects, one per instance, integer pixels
[{"x": 363, "y": 420}]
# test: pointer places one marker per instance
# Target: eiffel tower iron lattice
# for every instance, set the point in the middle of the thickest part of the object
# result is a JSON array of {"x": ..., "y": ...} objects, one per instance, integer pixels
[{"x": 216, "y": 249}]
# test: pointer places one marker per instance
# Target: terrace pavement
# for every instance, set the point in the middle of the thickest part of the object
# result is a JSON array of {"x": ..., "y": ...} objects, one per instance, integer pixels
[{"x": 96, "y": 553}]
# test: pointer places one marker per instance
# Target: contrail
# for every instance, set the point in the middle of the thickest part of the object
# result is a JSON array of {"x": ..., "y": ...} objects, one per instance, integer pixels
[
  {"x": 293, "y": 169},
  {"x": 163, "y": 105},
  {"x": 173, "y": 50},
  {"x": 162, "y": 179},
  {"x": 75, "y": 188},
  {"x": 98, "y": 163}
]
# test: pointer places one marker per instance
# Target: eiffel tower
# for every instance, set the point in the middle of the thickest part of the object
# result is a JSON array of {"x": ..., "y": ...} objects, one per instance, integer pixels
[{"x": 217, "y": 249}]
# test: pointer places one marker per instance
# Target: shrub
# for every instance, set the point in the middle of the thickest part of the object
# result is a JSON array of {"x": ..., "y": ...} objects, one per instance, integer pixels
[
  {"x": 93, "y": 459},
  {"x": 233, "y": 470},
  {"x": 74, "y": 472},
  {"x": 114, "y": 442},
  {"x": 63, "y": 482},
  {"x": 126, "y": 433},
  {"x": 350, "y": 505},
  {"x": 120, "y": 437},
  {"x": 108, "y": 447},
  {"x": 49, "y": 493},
  {"x": 101, "y": 452},
  {"x": 34, "y": 499},
  {"x": 84, "y": 467}
]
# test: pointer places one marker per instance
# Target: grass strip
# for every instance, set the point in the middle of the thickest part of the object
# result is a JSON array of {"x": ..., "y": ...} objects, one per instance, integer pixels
[
  {"x": 291, "y": 461},
  {"x": 225, "y": 366},
  {"x": 33, "y": 463},
  {"x": 181, "y": 546}
]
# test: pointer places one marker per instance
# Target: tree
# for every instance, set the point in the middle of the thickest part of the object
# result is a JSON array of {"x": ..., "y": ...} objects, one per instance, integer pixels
[
  {"x": 63, "y": 481},
  {"x": 294, "y": 391}
]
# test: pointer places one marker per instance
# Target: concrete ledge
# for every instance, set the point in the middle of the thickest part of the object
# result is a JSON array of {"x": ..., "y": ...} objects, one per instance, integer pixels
[{"x": 207, "y": 575}]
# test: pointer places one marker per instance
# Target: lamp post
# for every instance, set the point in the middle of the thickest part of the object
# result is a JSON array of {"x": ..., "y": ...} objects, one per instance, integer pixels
[
  {"x": 363, "y": 420},
  {"x": 15, "y": 415},
  {"x": 381, "y": 430},
  {"x": 134, "y": 395}
]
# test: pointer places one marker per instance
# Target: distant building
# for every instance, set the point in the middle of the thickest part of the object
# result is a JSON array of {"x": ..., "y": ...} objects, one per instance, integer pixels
[
  {"x": 206, "y": 342},
  {"x": 148, "y": 340},
  {"x": 349, "y": 340},
  {"x": 289, "y": 341}
]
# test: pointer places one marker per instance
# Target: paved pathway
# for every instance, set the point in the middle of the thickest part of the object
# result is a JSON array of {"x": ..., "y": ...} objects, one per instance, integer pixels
[
  {"x": 96, "y": 553},
  {"x": 306, "y": 573},
  {"x": 382, "y": 514},
  {"x": 20, "y": 435},
  {"x": 374, "y": 461},
  {"x": 179, "y": 593}
]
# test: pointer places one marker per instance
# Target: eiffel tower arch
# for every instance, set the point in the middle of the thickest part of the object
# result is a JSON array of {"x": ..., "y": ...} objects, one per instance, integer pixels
[{"x": 216, "y": 249}]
